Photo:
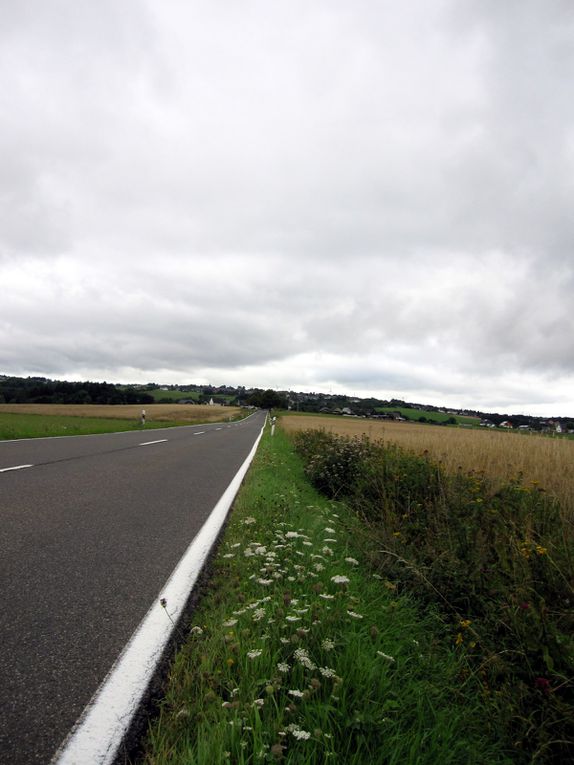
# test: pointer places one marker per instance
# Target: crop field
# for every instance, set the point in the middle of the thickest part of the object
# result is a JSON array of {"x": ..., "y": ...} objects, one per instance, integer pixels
[
  {"x": 165, "y": 412},
  {"x": 501, "y": 456},
  {"x": 41, "y": 420}
]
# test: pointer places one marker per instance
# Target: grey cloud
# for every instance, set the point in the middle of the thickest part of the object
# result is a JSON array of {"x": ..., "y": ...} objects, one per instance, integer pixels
[{"x": 190, "y": 188}]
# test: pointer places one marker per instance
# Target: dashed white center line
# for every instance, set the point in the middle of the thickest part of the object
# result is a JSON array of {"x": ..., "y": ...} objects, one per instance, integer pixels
[
  {"x": 16, "y": 467},
  {"x": 148, "y": 443},
  {"x": 218, "y": 428},
  {"x": 199, "y": 433}
]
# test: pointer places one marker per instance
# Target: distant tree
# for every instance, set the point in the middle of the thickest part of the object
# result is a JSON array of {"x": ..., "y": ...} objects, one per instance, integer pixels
[{"x": 268, "y": 399}]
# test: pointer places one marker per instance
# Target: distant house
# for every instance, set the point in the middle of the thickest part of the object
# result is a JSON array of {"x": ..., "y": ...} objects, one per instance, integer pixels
[{"x": 506, "y": 424}]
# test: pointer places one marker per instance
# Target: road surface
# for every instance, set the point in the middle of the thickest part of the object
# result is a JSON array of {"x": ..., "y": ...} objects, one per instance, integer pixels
[{"x": 91, "y": 527}]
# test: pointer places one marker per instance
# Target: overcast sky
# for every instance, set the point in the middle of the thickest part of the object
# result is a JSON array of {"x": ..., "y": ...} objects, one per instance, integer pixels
[{"x": 369, "y": 197}]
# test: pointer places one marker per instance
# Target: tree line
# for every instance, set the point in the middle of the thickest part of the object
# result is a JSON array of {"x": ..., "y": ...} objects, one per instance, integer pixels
[{"x": 39, "y": 390}]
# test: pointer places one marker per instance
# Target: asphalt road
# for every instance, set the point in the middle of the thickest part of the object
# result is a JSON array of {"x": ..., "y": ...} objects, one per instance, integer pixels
[{"x": 89, "y": 534}]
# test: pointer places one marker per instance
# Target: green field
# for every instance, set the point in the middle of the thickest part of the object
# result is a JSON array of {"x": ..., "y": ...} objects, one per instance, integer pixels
[
  {"x": 416, "y": 414},
  {"x": 13, "y": 426},
  {"x": 172, "y": 395}
]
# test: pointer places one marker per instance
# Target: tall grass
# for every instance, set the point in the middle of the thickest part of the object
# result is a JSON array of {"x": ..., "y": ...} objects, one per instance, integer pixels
[
  {"x": 495, "y": 558},
  {"x": 502, "y": 456}
]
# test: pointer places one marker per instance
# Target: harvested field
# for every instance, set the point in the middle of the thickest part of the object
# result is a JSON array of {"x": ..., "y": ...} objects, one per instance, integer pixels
[
  {"x": 154, "y": 412},
  {"x": 501, "y": 456}
]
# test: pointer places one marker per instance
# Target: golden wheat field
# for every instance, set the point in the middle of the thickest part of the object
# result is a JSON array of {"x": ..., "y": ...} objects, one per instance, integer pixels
[
  {"x": 502, "y": 456},
  {"x": 154, "y": 412}
]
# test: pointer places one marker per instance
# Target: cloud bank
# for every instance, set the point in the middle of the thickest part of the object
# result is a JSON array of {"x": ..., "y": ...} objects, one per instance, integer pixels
[{"x": 372, "y": 199}]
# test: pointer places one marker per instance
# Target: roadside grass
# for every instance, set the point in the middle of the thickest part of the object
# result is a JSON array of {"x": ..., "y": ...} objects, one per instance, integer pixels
[
  {"x": 497, "y": 562},
  {"x": 300, "y": 653}
]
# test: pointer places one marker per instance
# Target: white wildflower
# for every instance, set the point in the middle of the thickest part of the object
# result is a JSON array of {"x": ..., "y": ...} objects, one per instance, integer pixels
[
  {"x": 327, "y": 644},
  {"x": 329, "y": 530},
  {"x": 309, "y": 544},
  {"x": 283, "y": 667},
  {"x": 301, "y": 735},
  {"x": 230, "y": 623},
  {"x": 258, "y": 702},
  {"x": 293, "y": 618},
  {"x": 327, "y": 672},
  {"x": 255, "y": 654},
  {"x": 258, "y": 614},
  {"x": 329, "y": 539},
  {"x": 388, "y": 658},
  {"x": 291, "y": 535},
  {"x": 229, "y": 555},
  {"x": 248, "y": 521},
  {"x": 352, "y": 561},
  {"x": 296, "y": 693},
  {"x": 303, "y": 658},
  {"x": 325, "y": 596},
  {"x": 196, "y": 631},
  {"x": 265, "y": 581},
  {"x": 355, "y": 615},
  {"x": 327, "y": 551},
  {"x": 338, "y": 579}
]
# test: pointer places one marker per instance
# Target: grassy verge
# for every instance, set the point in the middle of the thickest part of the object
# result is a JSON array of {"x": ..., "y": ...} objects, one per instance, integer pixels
[
  {"x": 497, "y": 562},
  {"x": 39, "y": 426},
  {"x": 301, "y": 654}
]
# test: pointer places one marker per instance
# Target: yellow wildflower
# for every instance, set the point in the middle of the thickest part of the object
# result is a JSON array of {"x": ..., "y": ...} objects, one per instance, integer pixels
[{"x": 459, "y": 639}]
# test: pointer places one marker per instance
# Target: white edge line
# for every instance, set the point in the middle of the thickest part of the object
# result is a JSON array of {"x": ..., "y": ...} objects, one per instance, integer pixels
[
  {"x": 199, "y": 433},
  {"x": 16, "y": 467},
  {"x": 98, "y": 734},
  {"x": 149, "y": 443}
]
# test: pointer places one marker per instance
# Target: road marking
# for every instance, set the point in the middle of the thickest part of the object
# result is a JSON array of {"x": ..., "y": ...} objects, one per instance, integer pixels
[
  {"x": 217, "y": 428},
  {"x": 199, "y": 433},
  {"x": 99, "y": 732},
  {"x": 16, "y": 467},
  {"x": 148, "y": 443}
]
